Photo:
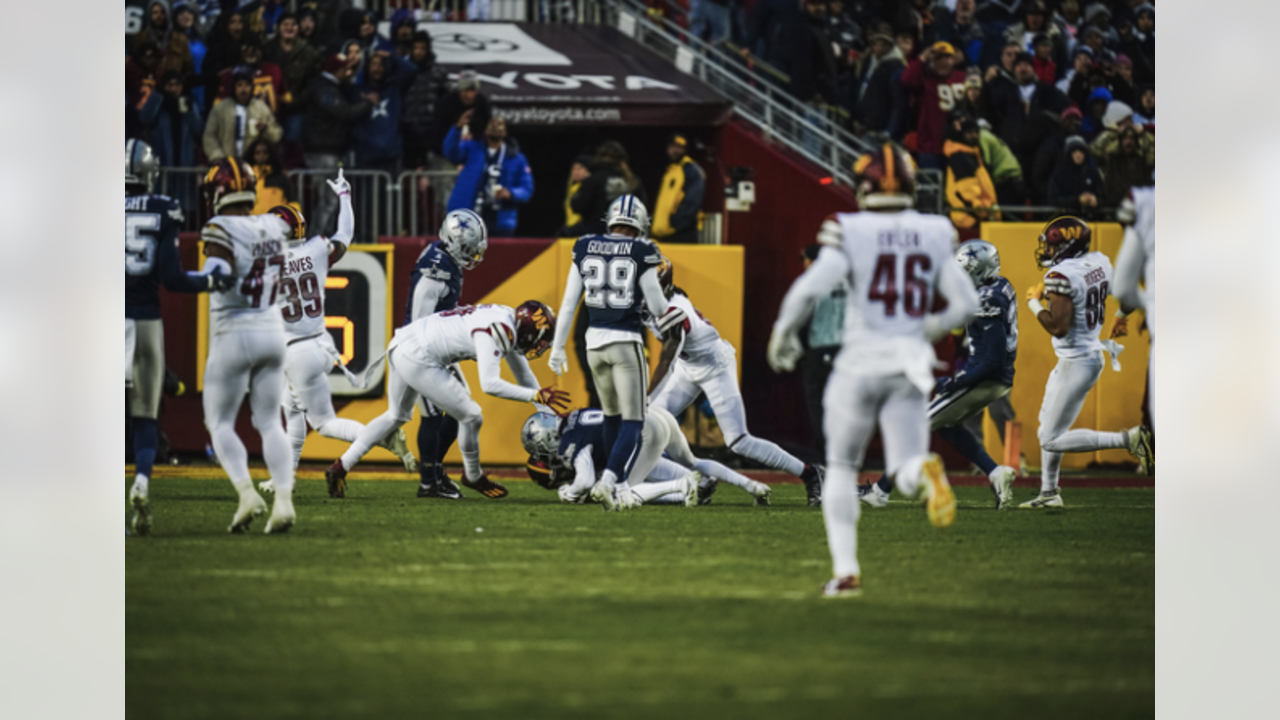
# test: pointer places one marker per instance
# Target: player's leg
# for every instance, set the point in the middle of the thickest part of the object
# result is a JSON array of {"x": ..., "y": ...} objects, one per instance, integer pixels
[
  {"x": 677, "y": 448},
  {"x": 401, "y": 395},
  {"x": 952, "y": 425},
  {"x": 602, "y": 375},
  {"x": 627, "y": 380},
  {"x": 448, "y": 393},
  {"x": 678, "y": 392},
  {"x": 266, "y": 390},
  {"x": 226, "y": 380},
  {"x": 850, "y": 405},
  {"x": 1064, "y": 395},
  {"x": 148, "y": 382},
  {"x": 904, "y": 428},
  {"x": 1079, "y": 378}
]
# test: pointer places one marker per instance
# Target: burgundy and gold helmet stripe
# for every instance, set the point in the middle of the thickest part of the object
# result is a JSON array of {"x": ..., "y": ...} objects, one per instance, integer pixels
[{"x": 293, "y": 218}]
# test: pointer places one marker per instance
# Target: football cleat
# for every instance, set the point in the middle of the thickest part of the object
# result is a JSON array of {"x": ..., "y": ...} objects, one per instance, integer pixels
[
  {"x": 1053, "y": 498},
  {"x": 706, "y": 489},
  {"x": 141, "y": 520},
  {"x": 941, "y": 501},
  {"x": 626, "y": 499},
  {"x": 690, "y": 484},
  {"x": 848, "y": 586},
  {"x": 603, "y": 493},
  {"x": 443, "y": 488},
  {"x": 266, "y": 486},
  {"x": 873, "y": 495},
  {"x": 251, "y": 506},
  {"x": 336, "y": 478},
  {"x": 1002, "y": 485},
  {"x": 813, "y": 486},
  {"x": 761, "y": 493},
  {"x": 1138, "y": 442},
  {"x": 398, "y": 444},
  {"x": 484, "y": 486},
  {"x": 282, "y": 515}
]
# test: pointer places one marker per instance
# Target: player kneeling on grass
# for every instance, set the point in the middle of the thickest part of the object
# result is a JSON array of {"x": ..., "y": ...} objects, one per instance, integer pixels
[
  {"x": 574, "y": 452},
  {"x": 421, "y": 356}
]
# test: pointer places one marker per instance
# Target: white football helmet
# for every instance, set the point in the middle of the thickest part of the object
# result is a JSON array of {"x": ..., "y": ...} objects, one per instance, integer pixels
[
  {"x": 541, "y": 435},
  {"x": 464, "y": 237},
  {"x": 980, "y": 259},
  {"x": 141, "y": 166},
  {"x": 628, "y": 210}
]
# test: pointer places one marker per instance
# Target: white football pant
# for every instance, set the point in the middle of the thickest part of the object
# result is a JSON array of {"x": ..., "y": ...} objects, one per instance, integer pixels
[
  {"x": 306, "y": 366},
  {"x": 661, "y": 434},
  {"x": 621, "y": 375},
  {"x": 1069, "y": 384}
]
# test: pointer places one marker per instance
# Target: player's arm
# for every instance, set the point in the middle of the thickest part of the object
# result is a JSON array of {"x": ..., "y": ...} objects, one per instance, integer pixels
[
  {"x": 823, "y": 276},
  {"x": 986, "y": 333},
  {"x": 558, "y": 361},
  {"x": 584, "y": 477},
  {"x": 671, "y": 343},
  {"x": 426, "y": 295},
  {"x": 491, "y": 345},
  {"x": 962, "y": 302},
  {"x": 346, "y": 220},
  {"x": 654, "y": 299},
  {"x": 172, "y": 276},
  {"x": 1128, "y": 273},
  {"x": 219, "y": 257},
  {"x": 520, "y": 368},
  {"x": 1051, "y": 304}
]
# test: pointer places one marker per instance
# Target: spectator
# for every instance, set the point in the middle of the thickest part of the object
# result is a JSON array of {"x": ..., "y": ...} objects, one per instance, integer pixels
[
  {"x": 907, "y": 42},
  {"x": 273, "y": 185},
  {"x": 402, "y": 32},
  {"x": 1075, "y": 82},
  {"x": 1115, "y": 120},
  {"x": 418, "y": 114},
  {"x": 1138, "y": 39},
  {"x": 1076, "y": 184},
  {"x": 845, "y": 34},
  {"x": 1091, "y": 125},
  {"x": 465, "y": 98},
  {"x": 709, "y": 20},
  {"x": 1024, "y": 112},
  {"x": 268, "y": 80},
  {"x": 1145, "y": 115},
  {"x": 1042, "y": 59},
  {"x": 299, "y": 64},
  {"x": 1121, "y": 80},
  {"x": 677, "y": 216},
  {"x": 1070, "y": 19},
  {"x": 327, "y": 129},
  {"x": 1123, "y": 166},
  {"x": 578, "y": 172},
  {"x": 265, "y": 18},
  {"x": 772, "y": 25},
  {"x": 1050, "y": 151},
  {"x": 974, "y": 102},
  {"x": 362, "y": 26},
  {"x": 175, "y": 51},
  {"x": 376, "y": 137},
  {"x": 1099, "y": 16},
  {"x": 936, "y": 89},
  {"x": 225, "y": 39},
  {"x": 1002, "y": 165},
  {"x": 141, "y": 70},
  {"x": 1000, "y": 74},
  {"x": 495, "y": 177},
  {"x": 239, "y": 120},
  {"x": 610, "y": 177},
  {"x": 1035, "y": 21},
  {"x": 1095, "y": 38},
  {"x": 880, "y": 105},
  {"x": 175, "y": 124},
  {"x": 813, "y": 63},
  {"x": 308, "y": 25},
  {"x": 962, "y": 31},
  {"x": 968, "y": 184},
  {"x": 996, "y": 16},
  {"x": 184, "y": 22}
]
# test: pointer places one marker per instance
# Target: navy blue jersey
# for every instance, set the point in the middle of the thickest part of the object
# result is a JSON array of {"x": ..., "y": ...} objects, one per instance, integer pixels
[
  {"x": 435, "y": 264},
  {"x": 993, "y": 335},
  {"x": 582, "y": 428},
  {"x": 151, "y": 258},
  {"x": 611, "y": 266}
]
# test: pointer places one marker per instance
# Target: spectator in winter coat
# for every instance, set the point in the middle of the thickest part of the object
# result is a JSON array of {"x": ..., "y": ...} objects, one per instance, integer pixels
[
  {"x": 879, "y": 104},
  {"x": 268, "y": 80},
  {"x": 1070, "y": 18},
  {"x": 465, "y": 97},
  {"x": 996, "y": 16},
  {"x": 974, "y": 102},
  {"x": 299, "y": 62},
  {"x": 1042, "y": 59},
  {"x": 184, "y": 23},
  {"x": 578, "y": 172},
  {"x": 676, "y": 216},
  {"x": 239, "y": 120},
  {"x": 1091, "y": 125},
  {"x": 1138, "y": 40},
  {"x": 495, "y": 178},
  {"x": 1098, "y": 15},
  {"x": 141, "y": 72},
  {"x": 936, "y": 89},
  {"x": 326, "y": 133},
  {"x": 1124, "y": 167},
  {"x": 1000, "y": 74},
  {"x": 610, "y": 177},
  {"x": 813, "y": 63},
  {"x": 1121, "y": 80},
  {"x": 961, "y": 30},
  {"x": 1145, "y": 115},
  {"x": 771, "y": 28},
  {"x": 968, "y": 184},
  {"x": 1035, "y": 21},
  {"x": 1075, "y": 82},
  {"x": 224, "y": 42},
  {"x": 175, "y": 124},
  {"x": 273, "y": 186},
  {"x": 376, "y": 137},
  {"x": 1050, "y": 151},
  {"x": 175, "y": 51},
  {"x": 1003, "y": 166},
  {"x": 1076, "y": 184},
  {"x": 417, "y": 118},
  {"x": 1023, "y": 113},
  {"x": 1117, "y": 119}
]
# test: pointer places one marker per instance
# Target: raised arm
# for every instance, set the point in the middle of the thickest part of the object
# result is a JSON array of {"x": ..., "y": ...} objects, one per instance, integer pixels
[{"x": 346, "y": 219}]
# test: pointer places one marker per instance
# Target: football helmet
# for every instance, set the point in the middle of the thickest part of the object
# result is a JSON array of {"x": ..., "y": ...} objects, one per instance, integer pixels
[
  {"x": 535, "y": 327},
  {"x": 1063, "y": 237},
  {"x": 629, "y": 211},
  {"x": 464, "y": 237},
  {"x": 540, "y": 435},
  {"x": 885, "y": 178},
  {"x": 666, "y": 276},
  {"x": 980, "y": 259},
  {"x": 229, "y": 181},
  {"x": 293, "y": 218},
  {"x": 141, "y": 166}
]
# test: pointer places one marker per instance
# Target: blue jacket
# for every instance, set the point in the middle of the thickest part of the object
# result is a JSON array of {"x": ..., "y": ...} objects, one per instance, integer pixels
[
  {"x": 376, "y": 136},
  {"x": 514, "y": 176},
  {"x": 172, "y": 151}
]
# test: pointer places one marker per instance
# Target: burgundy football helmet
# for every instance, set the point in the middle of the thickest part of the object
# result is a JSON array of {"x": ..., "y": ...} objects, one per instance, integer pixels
[
  {"x": 293, "y": 218},
  {"x": 885, "y": 178},
  {"x": 228, "y": 182},
  {"x": 535, "y": 328},
  {"x": 1063, "y": 237}
]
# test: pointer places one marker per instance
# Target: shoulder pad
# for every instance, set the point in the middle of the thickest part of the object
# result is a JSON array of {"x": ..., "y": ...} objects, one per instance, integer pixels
[
  {"x": 435, "y": 272},
  {"x": 215, "y": 233},
  {"x": 1056, "y": 282},
  {"x": 675, "y": 316},
  {"x": 830, "y": 234}
]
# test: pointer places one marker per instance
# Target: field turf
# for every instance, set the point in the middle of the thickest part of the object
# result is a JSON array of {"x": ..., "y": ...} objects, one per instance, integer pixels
[{"x": 382, "y": 605}]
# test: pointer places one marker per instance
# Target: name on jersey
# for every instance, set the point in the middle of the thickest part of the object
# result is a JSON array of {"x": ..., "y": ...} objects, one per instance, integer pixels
[
  {"x": 266, "y": 248},
  {"x": 1095, "y": 276},
  {"x": 607, "y": 247},
  {"x": 301, "y": 265},
  {"x": 896, "y": 239}
]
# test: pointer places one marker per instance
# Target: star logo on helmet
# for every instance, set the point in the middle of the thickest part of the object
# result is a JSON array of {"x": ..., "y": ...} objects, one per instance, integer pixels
[{"x": 462, "y": 224}]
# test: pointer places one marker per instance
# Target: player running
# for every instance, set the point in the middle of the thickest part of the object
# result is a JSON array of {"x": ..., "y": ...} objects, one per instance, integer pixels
[
  {"x": 614, "y": 276},
  {"x": 896, "y": 261},
  {"x": 700, "y": 361},
  {"x": 246, "y": 341},
  {"x": 1071, "y": 305},
  {"x": 436, "y": 286},
  {"x": 987, "y": 377},
  {"x": 151, "y": 223},
  {"x": 421, "y": 358}
]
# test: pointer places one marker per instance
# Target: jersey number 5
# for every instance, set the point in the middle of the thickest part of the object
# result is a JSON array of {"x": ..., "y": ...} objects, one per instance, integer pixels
[
  {"x": 915, "y": 289},
  {"x": 139, "y": 246},
  {"x": 618, "y": 275}
]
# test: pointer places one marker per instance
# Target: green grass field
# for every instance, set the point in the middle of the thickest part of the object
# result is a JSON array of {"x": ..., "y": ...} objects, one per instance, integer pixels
[{"x": 382, "y": 605}]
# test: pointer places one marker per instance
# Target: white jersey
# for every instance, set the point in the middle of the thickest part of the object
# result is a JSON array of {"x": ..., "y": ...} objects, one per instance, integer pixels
[
  {"x": 1087, "y": 281},
  {"x": 306, "y": 267},
  {"x": 444, "y": 338},
  {"x": 702, "y": 351},
  {"x": 894, "y": 260},
  {"x": 258, "y": 244},
  {"x": 1144, "y": 201}
]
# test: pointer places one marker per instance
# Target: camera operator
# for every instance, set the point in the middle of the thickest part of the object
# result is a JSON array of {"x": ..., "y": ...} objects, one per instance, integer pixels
[{"x": 494, "y": 179}]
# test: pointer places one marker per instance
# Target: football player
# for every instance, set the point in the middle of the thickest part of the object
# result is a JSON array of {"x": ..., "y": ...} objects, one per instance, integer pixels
[
  {"x": 1071, "y": 305},
  {"x": 987, "y": 377},
  {"x": 895, "y": 261},
  {"x": 614, "y": 275},
  {"x": 698, "y": 360},
  {"x": 421, "y": 357},
  {"x": 1136, "y": 264},
  {"x": 151, "y": 223},
  {"x": 246, "y": 340},
  {"x": 436, "y": 286}
]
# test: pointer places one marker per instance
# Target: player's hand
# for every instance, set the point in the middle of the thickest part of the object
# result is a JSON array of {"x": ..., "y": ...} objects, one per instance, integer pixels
[
  {"x": 1120, "y": 328},
  {"x": 553, "y": 398},
  {"x": 784, "y": 351},
  {"x": 1036, "y": 292},
  {"x": 220, "y": 281},
  {"x": 567, "y": 496},
  {"x": 340, "y": 186},
  {"x": 558, "y": 361}
]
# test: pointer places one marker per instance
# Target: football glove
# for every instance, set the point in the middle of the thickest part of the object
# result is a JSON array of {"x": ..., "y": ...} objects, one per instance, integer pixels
[
  {"x": 552, "y": 398},
  {"x": 1036, "y": 292},
  {"x": 220, "y": 281},
  {"x": 558, "y": 361},
  {"x": 784, "y": 351},
  {"x": 340, "y": 186}
]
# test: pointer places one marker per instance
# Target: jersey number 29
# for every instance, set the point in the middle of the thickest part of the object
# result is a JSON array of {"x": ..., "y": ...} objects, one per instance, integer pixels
[{"x": 618, "y": 275}]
